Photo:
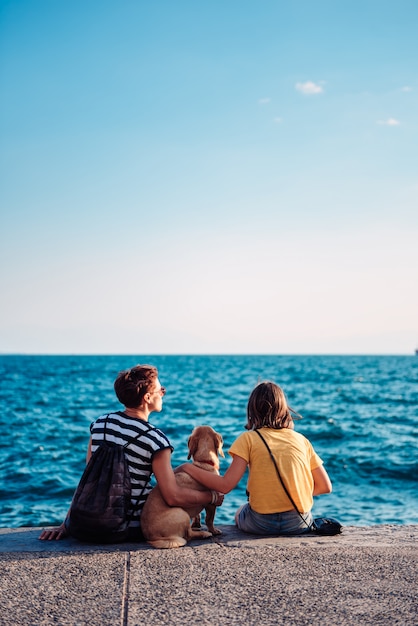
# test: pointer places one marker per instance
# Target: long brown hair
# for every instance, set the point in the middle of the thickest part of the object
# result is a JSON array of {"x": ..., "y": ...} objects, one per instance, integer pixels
[{"x": 267, "y": 406}]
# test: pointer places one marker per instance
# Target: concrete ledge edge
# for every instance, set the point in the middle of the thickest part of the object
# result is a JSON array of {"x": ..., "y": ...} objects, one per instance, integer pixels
[{"x": 23, "y": 540}]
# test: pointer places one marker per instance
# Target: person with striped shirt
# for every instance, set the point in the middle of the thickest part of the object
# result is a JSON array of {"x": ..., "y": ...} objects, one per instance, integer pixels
[{"x": 148, "y": 451}]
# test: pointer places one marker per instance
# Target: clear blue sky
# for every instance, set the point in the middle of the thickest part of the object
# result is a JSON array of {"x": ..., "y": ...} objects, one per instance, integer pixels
[{"x": 216, "y": 177}]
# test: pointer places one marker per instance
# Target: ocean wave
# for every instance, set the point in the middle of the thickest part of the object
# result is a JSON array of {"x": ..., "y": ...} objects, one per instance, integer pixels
[{"x": 360, "y": 413}]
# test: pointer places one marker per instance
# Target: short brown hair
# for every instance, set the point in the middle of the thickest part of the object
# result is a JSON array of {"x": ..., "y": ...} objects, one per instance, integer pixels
[
  {"x": 267, "y": 406},
  {"x": 131, "y": 385}
]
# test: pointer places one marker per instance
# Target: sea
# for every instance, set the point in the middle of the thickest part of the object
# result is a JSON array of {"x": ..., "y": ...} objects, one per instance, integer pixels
[{"x": 359, "y": 412}]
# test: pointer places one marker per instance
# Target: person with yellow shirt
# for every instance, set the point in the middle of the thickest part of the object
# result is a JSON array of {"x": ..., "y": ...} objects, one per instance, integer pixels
[{"x": 270, "y": 433}]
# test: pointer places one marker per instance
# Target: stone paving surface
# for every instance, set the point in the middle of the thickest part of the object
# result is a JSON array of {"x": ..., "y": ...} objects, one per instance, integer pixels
[{"x": 364, "y": 576}]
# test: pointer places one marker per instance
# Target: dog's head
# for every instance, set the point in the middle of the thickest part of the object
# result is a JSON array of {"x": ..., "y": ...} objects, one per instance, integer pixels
[{"x": 205, "y": 444}]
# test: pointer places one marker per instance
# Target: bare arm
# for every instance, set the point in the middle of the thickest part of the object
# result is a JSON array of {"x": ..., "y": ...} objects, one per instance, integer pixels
[
  {"x": 170, "y": 490},
  {"x": 322, "y": 483},
  {"x": 88, "y": 455},
  {"x": 224, "y": 483}
]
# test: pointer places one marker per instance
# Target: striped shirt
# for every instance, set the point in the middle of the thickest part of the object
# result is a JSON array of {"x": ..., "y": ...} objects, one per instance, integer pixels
[{"x": 143, "y": 440}]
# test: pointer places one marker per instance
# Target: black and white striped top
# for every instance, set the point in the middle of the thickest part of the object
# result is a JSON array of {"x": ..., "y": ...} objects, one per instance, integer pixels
[{"x": 143, "y": 440}]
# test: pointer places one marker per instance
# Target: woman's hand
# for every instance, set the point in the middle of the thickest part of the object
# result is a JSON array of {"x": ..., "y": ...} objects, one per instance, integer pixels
[
  {"x": 54, "y": 533},
  {"x": 210, "y": 480}
]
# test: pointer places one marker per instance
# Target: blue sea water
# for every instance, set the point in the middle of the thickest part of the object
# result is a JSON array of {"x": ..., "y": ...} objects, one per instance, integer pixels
[{"x": 359, "y": 412}]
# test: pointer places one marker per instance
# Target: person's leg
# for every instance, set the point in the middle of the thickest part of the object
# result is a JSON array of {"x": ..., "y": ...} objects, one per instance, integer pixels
[
  {"x": 238, "y": 513},
  {"x": 291, "y": 523},
  {"x": 245, "y": 520},
  {"x": 249, "y": 521},
  {"x": 287, "y": 523}
]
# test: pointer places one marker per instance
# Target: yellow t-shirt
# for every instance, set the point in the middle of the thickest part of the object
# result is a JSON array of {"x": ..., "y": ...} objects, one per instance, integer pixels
[{"x": 295, "y": 458}]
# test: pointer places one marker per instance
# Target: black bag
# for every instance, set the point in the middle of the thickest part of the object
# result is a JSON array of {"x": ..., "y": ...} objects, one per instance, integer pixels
[
  {"x": 100, "y": 510},
  {"x": 326, "y": 526}
]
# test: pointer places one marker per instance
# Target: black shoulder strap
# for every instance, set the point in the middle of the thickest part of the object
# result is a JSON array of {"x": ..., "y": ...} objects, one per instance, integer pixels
[
  {"x": 280, "y": 478},
  {"x": 105, "y": 425},
  {"x": 138, "y": 436},
  {"x": 136, "y": 505}
]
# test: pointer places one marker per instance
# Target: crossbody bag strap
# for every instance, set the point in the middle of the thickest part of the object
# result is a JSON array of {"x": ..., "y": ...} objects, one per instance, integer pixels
[
  {"x": 135, "y": 507},
  {"x": 139, "y": 435},
  {"x": 105, "y": 426},
  {"x": 124, "y": 446},
  {"x": 280, "y": 478}
]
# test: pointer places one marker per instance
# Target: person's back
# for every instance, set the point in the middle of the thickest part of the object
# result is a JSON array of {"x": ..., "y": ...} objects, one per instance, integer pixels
[
  {"x": 295, "y": 458},
  {"x": 141, "y": 440}
]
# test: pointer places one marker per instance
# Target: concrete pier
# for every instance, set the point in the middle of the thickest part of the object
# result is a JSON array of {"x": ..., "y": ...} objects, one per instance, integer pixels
[{"x": 364, "y": 576}]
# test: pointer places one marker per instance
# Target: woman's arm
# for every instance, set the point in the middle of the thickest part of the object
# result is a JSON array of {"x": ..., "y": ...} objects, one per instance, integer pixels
[
  {"x": 224, "y": 483},
  {"x": 322, "y": 482},
  {"x": 88, "y": 455},
  {"x": 172, "y": 493}
]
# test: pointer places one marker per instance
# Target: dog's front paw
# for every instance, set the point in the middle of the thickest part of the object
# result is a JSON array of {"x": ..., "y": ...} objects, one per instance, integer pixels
[{"x": 215, "y": 531}]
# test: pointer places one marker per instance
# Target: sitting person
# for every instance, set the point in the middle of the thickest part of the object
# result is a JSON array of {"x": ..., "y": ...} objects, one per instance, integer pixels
[
  {"x": 269, "y": 510},
  {"x": 141, "y": 393}
]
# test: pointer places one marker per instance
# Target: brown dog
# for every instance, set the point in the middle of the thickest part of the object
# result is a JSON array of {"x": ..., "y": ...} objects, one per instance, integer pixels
[{"x": 166, "y": 526}]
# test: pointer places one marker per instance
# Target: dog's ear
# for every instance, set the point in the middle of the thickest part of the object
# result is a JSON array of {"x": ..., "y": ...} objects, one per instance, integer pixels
[
  {"x": 219, "y": 442},
  {"x": 192, "y": 444}
]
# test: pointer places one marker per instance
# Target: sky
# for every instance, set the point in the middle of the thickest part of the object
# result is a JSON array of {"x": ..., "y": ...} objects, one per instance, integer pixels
[{"x": 223, "y": 177}]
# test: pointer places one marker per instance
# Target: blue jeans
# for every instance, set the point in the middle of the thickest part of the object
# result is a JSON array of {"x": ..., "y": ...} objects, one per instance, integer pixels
[{"x": 287, "y": 523}]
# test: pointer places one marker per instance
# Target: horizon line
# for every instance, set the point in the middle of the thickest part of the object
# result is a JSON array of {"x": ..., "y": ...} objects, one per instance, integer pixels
[{"x": 215, "y": 354}]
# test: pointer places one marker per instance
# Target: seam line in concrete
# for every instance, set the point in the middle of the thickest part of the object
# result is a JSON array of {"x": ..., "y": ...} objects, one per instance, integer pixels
[{"x": 125, "y": 589}]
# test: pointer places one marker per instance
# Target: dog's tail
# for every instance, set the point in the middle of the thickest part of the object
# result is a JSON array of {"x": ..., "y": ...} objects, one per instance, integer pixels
[{"x": 168, "y": 542}]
